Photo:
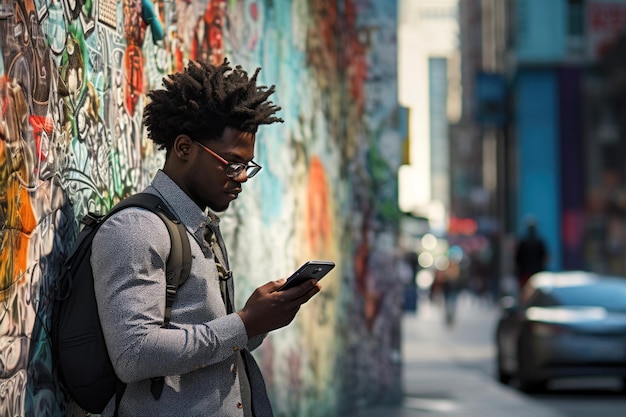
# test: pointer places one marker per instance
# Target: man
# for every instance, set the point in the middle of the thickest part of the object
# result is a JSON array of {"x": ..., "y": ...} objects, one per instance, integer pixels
[
  {"x": 206, "y": 119},
  {"x": 531, "y": 254}
]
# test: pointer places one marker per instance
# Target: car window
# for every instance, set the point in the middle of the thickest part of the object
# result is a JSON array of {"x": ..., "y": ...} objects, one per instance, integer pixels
[
  {"x": 611, "y": 296},
  {"x": 543, "y": 298}
]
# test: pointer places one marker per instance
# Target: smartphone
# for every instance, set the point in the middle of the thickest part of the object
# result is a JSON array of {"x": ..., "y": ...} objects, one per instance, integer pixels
[{"x": 310, "y": 270}]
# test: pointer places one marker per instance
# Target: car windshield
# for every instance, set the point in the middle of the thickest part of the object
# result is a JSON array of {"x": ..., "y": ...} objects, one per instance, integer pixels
[{"x": 609, "y": 295}]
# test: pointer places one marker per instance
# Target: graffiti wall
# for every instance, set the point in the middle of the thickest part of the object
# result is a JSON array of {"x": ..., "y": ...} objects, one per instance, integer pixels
[{"x": 73, "y": 82}]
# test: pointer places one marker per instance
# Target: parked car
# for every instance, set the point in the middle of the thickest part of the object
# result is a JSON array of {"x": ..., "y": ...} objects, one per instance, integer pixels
[{"x": 565, "y": 324}]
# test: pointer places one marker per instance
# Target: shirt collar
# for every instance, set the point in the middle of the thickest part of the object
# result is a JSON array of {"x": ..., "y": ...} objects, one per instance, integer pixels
[{"x": 180, "y": 203}]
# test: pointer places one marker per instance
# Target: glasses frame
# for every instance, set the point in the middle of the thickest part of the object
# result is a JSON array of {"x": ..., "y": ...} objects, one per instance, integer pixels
[{"x": 234, "y": 169}]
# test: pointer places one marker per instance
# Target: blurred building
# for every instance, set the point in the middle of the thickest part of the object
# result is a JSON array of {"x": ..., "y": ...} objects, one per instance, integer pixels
[
  {"x": 429, "y": 86},
  {"x": 451, "y": 78},
  {"x": 477, "y": 142},
  {"x": 542, "y": 132}
]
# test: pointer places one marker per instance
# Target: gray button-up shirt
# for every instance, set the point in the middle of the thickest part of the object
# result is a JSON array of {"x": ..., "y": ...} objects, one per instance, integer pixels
[{"x": 198, "y": 355}]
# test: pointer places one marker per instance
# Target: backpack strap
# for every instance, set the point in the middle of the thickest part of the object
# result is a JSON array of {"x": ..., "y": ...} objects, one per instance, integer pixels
[
  {"x": 176, "y": 272},
  {"x": 178, "y": 263}
]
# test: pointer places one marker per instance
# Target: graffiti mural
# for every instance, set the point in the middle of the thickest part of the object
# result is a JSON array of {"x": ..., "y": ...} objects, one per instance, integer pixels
[{"x": 73, "y": 83}]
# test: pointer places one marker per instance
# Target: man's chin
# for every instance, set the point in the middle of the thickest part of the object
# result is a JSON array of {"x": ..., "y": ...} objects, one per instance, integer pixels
[{"x": 218, "y": 208}]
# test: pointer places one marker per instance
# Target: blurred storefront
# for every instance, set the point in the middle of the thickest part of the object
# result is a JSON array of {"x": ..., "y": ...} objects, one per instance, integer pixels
[
  {"x": 567, "y": 89},
  {"x": 542, "y": 133},
  {"x": 605, "y": 138}
]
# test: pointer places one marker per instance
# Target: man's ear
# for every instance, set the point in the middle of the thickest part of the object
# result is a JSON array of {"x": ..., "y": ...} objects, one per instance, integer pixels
[{"x": 183, "y": 147}]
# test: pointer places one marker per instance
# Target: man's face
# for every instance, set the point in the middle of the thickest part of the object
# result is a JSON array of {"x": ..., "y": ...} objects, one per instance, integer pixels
[{"x": 207, "y": 182}]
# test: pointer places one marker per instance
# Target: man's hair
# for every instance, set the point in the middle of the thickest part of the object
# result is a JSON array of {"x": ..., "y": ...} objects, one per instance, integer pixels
[{"x": 204, "y": 99}]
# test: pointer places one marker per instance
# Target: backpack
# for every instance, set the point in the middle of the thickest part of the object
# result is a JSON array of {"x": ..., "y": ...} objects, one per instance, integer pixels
[{"x": 78, "y": 346}]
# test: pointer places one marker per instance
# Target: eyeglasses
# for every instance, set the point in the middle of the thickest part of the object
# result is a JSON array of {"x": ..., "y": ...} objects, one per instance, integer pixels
[{"x": 235, "y": 169}]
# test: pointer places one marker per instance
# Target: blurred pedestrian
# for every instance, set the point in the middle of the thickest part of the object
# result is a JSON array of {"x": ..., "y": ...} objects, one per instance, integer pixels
[
  {"x": 531, "y": 254},
  {"x": 451, "y": 289},
  {"x": 407, "y": 269}
]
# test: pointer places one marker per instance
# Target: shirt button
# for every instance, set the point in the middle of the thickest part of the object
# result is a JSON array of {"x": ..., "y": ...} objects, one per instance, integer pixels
[
  {"x": 239, "y": 405},
  {"x": 236, "y": 348},
  {"x": 233, "y": 369}
]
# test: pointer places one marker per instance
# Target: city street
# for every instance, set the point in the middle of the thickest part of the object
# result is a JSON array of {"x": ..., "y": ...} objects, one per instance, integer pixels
[{"x": 449, "y": 372}]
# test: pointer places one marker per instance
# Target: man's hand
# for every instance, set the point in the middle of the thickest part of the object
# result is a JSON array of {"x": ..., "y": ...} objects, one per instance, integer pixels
[{"x": 268, "y": 309}]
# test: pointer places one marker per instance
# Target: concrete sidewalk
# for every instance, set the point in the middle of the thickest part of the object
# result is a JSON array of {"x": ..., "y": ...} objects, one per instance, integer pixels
[{"x": 441, "y": 376}]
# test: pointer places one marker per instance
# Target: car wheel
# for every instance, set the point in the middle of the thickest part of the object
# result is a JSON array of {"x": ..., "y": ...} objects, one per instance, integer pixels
[
  {"x": 531, "y": 387},
  {"x": 525, "y": 379},
  {"x": 503, "y": 376}
]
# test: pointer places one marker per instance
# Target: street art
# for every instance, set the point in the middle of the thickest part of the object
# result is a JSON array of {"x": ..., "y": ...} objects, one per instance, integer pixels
[{"x": 73, "y": 79}]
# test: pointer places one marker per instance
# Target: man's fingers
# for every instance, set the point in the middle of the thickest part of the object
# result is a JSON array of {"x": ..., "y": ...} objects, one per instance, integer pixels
[
  {"x": 273, "y": 285},
  {"x": 303, "y": 292}
]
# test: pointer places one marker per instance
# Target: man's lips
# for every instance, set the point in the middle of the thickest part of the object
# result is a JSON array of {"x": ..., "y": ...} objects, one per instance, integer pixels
[{"x": 234, "y": 193}]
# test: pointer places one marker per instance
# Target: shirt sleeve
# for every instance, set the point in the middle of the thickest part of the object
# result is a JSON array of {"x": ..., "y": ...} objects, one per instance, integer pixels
[{"x": 128, "y": 259}]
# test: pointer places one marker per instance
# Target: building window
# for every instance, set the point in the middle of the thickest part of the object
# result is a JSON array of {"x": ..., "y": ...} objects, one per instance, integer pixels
[{"x": 576, "y": 18}]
